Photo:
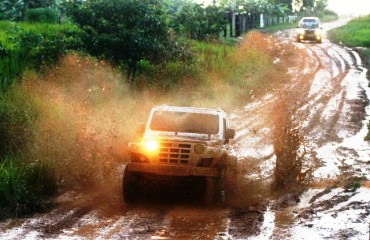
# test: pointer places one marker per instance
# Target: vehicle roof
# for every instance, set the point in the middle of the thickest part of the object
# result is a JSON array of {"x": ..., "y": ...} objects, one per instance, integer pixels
[{"x": 189, "y": 109}]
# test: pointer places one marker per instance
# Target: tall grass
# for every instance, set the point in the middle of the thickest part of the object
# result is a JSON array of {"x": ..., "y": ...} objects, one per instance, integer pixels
[
  {"x": 355, "y": 34},
  {"x": 25, "y": 186},
  {"x": 25, "y": 180},
  {"x": 25, "y": 45}
]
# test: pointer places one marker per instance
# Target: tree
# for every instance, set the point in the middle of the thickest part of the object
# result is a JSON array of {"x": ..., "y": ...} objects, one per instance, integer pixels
[
  {"x": 321, "y": 5},
  {"x": 39, "y": 3},
  {"x": 12, "y": 9},
  {"x": 284, "y": 2},
  {"x": 195, "y": 21},
  {"x": 124, "y": 31}
]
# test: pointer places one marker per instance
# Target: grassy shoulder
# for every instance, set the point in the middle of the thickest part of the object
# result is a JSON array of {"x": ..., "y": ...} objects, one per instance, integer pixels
[{"x": 355, "y": 34}]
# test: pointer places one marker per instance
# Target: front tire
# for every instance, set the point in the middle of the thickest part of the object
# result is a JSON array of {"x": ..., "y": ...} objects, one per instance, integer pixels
[
  {"x": 130, "y": 187},
  {"x": 216, "y": 188}
]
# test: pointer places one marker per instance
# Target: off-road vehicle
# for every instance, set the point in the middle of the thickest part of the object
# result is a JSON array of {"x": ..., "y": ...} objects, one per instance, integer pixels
[{"x": 181, "y": 142}]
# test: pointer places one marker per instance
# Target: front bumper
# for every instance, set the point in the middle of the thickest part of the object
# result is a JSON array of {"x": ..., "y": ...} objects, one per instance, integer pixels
[
  {"x": 172, "y": 170},
  {"x": 309, "y": 36}
]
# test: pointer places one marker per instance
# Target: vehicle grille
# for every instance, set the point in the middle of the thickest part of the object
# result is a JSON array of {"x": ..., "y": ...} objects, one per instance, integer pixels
[
  {"x": 174, "y": 152},
  {"x": 309, "y": 32}
]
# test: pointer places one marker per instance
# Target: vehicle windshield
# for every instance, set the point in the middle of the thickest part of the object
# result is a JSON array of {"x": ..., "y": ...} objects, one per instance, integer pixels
[
  {"x": 309, "y": 23},
  {"x": 184, "y": 122}
]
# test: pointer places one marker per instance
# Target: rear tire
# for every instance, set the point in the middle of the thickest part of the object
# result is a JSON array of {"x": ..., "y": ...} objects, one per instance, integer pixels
[{"x": 131, "y": 187}]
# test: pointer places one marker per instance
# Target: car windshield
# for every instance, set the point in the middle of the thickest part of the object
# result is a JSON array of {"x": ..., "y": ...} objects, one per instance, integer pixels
[
  {"x": 168, "y": 121},
  {"x": 309, "y": 23}
]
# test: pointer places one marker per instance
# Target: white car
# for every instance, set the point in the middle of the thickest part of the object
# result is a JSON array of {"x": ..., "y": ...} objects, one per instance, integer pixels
[{"x": 309, "y": 28}]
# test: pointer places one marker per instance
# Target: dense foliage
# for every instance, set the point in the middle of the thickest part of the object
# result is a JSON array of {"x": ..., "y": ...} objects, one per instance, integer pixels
[
  {"x": 33, "y": 46},
  {"x": 42, "y": 15},
  {"x": 196, "y": 21},
  {"x": 125, "y": 31}
]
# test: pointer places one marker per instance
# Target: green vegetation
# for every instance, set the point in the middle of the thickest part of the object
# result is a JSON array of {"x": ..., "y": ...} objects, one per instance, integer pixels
[
  {"x": 25, "y": 182},
  {"x": 25, "y": 186},
  {"x": 26, "y": 45},
  {"x": 327, "y": 16},
  {"x": 41, "y": 15},
  {"x": 355, "y": 34},
  {"x": 124, "y": 31}
]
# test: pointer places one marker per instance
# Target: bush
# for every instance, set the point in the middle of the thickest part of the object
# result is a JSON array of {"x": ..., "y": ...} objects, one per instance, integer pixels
[
  {"x": 41, "y": 15},
  {"x": 47, "y": 48}
]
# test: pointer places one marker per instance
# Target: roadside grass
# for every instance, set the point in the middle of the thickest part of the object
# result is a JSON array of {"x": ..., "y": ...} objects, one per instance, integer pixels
[
  {"x": 25, "y": 180},
  {"x": 355, "y": 34},
  {"x": 32, "y": 45},
  {"x": 25, "y": 186}
]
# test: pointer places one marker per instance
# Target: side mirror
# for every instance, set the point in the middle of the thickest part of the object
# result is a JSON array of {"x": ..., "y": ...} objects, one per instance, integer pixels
[
  {"x": 230, "y": 133},
  {"x": 140, "y": 129}
]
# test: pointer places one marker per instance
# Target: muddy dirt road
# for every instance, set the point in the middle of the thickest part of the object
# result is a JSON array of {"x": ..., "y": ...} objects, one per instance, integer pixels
[{"x": 330, "y": 91}]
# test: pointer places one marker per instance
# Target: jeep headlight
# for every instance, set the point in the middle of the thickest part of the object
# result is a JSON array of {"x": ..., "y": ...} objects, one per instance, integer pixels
[
  {"x": 151, "y": 145},
  {"x": 199, "y": 149}
]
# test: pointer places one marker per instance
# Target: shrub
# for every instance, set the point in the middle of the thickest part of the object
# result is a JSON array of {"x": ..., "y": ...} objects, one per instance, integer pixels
[
  {"x": 47, "y": 48},
  {"x": 42, "y": 15}
]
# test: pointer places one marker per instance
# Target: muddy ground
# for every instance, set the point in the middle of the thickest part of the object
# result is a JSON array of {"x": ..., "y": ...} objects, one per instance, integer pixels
[{"x": 330, "y": 92}]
